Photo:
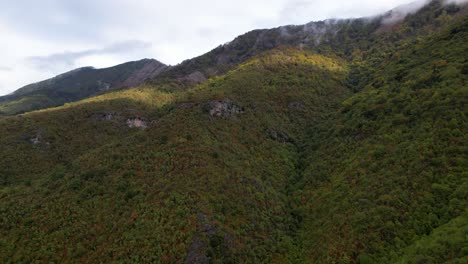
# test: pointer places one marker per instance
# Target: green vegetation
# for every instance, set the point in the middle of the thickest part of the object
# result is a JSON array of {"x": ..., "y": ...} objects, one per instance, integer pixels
[
  {"x": 388, "y": 167},
  {"x": 328, "y": 154},
  {"x": 446, "y": 243},
  {"x": 143, "y": 195}
]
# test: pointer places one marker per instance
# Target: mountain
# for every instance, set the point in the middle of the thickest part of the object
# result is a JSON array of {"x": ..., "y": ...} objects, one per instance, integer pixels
[
  {"x": 338, "y": 36},
  {"x": 78, "y": 84},
  {"x": 351, "y": 150},
  {"x": 341, "y": 36}
]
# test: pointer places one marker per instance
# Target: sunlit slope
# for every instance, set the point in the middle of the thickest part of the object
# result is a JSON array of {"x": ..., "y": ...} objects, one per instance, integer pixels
[
  {"x": 193, "y": 185},
  {"x": 77, "y": 85}
]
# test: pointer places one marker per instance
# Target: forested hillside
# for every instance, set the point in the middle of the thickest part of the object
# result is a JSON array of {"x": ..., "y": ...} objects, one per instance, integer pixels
[{"x": 347, "y": 150}]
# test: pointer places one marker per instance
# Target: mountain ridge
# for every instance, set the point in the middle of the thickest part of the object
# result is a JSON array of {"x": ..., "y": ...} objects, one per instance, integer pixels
[
  {"x": 79, "y": 84},
  {"x": 330, "y": 34}
]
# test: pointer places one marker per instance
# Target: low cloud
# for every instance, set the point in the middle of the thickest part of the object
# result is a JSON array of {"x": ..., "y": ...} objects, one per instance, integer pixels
[
  {"x": 456, "y": 1},
  {"x": 5, "y": 69},
  {"x": 68, "y": 59},
  {"x": 399, "y": 13}
]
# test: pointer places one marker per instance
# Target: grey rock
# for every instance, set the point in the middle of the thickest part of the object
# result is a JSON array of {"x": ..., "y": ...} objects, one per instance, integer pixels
[
  {"x": 223, "y": 108},
  {"x": 103, "y": 86},
  {"x": 38, "y": 139},
  {"x": 107, "y": 116},
  {"x": 138, "y": 122}
]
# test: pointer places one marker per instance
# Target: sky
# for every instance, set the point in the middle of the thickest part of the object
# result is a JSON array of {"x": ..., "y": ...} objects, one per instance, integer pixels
[{"x": 41, "y": 39}]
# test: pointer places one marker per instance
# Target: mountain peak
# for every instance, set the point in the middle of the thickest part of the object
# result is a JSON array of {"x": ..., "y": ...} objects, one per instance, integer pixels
[{"x": 78, "y": 84}]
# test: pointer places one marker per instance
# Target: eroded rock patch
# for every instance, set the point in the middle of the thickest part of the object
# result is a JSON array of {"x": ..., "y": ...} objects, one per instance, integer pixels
[
  {"x": 223, "y": 108},
  {"x": 132, "y": 122},
  {"x": 137, "y": 122}
]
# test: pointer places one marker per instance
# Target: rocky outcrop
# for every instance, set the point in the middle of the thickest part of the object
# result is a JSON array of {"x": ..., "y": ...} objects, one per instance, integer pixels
[
  {"x": 151, "y": 69},
  {"x": 118, "y": 118},
  {"x": 137, "y": 122},
  {"x": 107, "y": 116},
  {"x": 193, "y": 78},
  {"x": 103, "y": 86},
  {"x": 223, "y": 108},
  {"x": 37, "y": 139}
]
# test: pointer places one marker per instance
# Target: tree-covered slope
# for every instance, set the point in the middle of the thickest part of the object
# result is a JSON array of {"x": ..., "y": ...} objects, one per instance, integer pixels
[
  {"x": 351, "y": 153},
  {"x": 352, "y": 39},
  {"x": 390, "y": 165},
  {"x": 446, "y": 243},
  {"x": 193, "y": 185}
]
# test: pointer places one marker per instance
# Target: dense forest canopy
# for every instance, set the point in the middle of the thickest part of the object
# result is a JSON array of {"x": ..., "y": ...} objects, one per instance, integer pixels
[{"x": 271, "y": 149}]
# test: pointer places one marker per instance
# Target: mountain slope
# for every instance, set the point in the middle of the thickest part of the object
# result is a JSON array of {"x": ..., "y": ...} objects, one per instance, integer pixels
[
  {"x": 349, "y": 38},
  {"x": 390, "y": 163},
  {"x": 346, "y": 154},
  {"x": 78, "y": 84},
  {"x": 353, "y": 39},
  {"x": 219, "y": 180}
]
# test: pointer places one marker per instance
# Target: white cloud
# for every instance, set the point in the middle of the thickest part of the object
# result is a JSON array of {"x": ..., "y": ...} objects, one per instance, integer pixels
[
  {"x": 68, "y": 59},
  {"x": 59, "y": 35}
]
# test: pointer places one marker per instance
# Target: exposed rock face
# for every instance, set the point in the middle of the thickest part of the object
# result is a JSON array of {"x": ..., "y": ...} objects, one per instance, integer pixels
[
  {"x": 137, "y": 122},
  {"x": 279, "y": 136},
  {"x": 105, "y": 116},
  {"x": 38, "y": 139},
  {"x": 103, "y": 86},
  {"x": 35, "y": 140},
  {"x": 223, "y": 108},
  {"x": 151, "y": 69},
  {"x": 196, "y": 77}
]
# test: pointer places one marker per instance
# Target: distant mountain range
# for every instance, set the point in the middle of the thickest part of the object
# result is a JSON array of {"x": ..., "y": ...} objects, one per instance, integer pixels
[
  {"x": 340, "y": 35},
  {"x": 79, "y": 84}
]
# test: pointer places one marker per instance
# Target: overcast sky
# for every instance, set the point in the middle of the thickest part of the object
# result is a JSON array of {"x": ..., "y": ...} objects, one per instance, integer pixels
[{"x": 41, "y": 39}]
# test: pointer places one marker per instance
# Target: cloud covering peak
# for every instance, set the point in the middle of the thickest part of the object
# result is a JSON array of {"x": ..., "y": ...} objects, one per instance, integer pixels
[{"x": 69, "y": 59}]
